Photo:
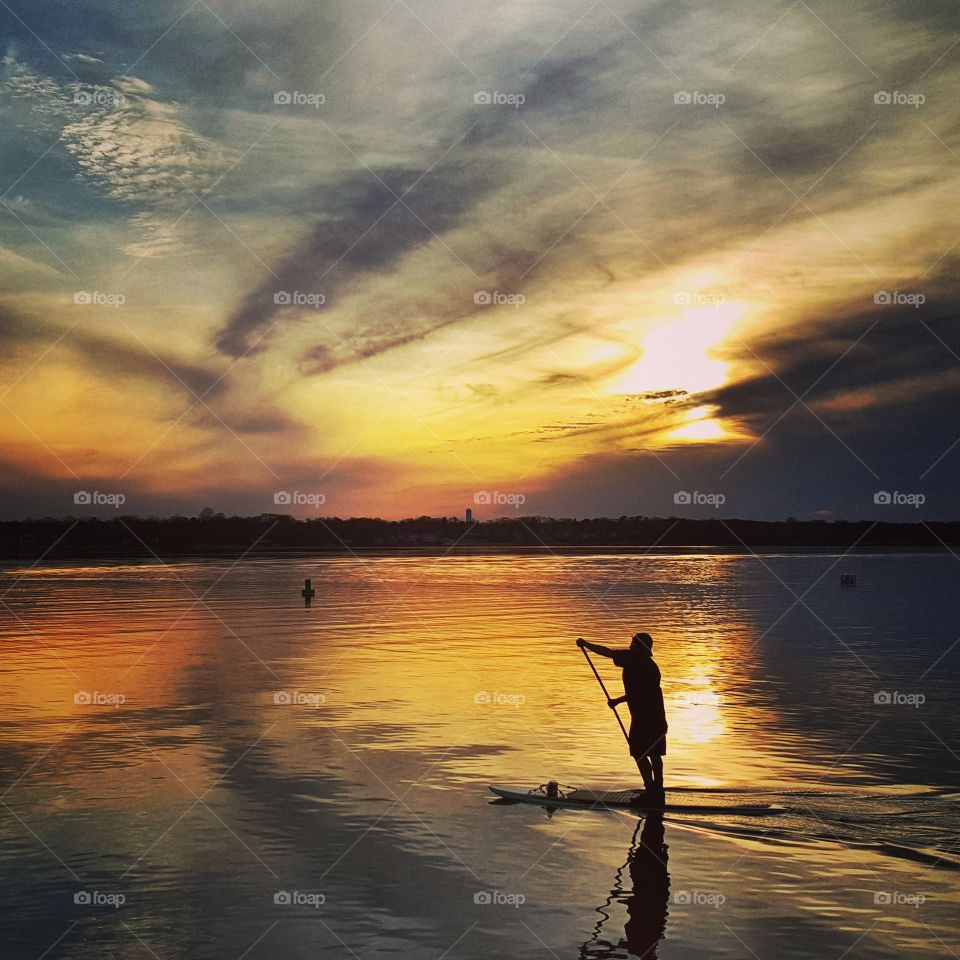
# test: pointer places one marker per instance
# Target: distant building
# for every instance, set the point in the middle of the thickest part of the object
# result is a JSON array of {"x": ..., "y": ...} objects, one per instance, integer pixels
[{"x": 469, "y": 515}]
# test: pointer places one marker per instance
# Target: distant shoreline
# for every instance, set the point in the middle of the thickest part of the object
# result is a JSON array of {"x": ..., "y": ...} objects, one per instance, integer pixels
[
  {"x": 273, "y": 535},
  {"x": 439, "y": 553}
]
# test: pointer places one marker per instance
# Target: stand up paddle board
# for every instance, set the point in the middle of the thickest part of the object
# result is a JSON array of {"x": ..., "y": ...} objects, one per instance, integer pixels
[{"x": 572, "y": 799}]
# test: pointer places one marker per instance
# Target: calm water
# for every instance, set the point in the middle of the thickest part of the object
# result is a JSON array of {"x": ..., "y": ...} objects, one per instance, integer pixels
[{"x": 191, "y": 739}]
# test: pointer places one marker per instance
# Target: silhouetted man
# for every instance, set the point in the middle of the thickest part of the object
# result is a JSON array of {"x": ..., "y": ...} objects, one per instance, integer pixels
[{"x": 648, "y": 719}]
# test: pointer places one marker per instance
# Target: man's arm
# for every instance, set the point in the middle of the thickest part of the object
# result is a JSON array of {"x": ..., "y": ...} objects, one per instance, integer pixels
[
  {"x": 596, "y": 648},
  {"x": 614, "y": 702}
]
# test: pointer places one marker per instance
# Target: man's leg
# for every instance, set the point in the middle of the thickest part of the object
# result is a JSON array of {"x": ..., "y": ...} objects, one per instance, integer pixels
[
  {"x": 657, "y": 791},
  {"x": 643, "y": 765}
]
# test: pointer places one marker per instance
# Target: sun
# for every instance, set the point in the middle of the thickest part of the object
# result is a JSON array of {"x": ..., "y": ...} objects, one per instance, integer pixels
[
  {"x": 680, "y": 353},
  {"x": 700, "y": 430}
]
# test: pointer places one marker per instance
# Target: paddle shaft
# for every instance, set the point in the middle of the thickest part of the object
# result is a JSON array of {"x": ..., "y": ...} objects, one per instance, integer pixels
[{"x": 603, "y": 687}]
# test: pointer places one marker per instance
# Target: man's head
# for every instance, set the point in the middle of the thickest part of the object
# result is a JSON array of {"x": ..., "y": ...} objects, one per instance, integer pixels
[{"x": 642, "y": 641}]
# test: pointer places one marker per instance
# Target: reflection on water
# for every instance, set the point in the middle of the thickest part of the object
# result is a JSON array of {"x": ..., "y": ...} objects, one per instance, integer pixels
[
  {"x": 258, "y": 777},
  {"x": 646, "y": 901}
]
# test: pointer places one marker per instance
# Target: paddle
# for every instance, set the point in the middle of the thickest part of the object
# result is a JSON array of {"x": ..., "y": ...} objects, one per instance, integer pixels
[{"x": 603, "y": 687}]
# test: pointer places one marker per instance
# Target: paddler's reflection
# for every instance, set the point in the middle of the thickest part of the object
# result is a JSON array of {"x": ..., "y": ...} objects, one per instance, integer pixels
[{"x": 645, "y": 900}]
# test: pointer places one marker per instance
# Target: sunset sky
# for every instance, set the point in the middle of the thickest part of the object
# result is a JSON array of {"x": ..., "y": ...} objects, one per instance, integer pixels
[{"x": 591, "y": 254}]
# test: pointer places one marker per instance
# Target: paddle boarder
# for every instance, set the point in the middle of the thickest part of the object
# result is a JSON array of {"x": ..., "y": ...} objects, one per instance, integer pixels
[{"x": 648, "y": 720}]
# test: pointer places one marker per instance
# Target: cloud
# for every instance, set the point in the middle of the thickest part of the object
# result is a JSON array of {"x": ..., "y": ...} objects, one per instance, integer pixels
[
  {"x": 138, "y": 150},
  {"x": 367, "y": 223},
  {"x": 108, "y": 355},
  {"x": 144, "y": 156},
  {"x": 13, "y": 264},
  {"x": 886, "y": 362},
  {"x": 82, "y": 58}
]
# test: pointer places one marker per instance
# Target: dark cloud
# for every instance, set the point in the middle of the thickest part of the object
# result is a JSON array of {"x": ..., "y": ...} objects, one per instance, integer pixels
[
  {"x": 364, "y": 229},
  {"x": 109, "y": 356},
  {"x": 894, "y": 355},
  {"x": 797, "y": 151},
  {"x": 939, "y": 15}
]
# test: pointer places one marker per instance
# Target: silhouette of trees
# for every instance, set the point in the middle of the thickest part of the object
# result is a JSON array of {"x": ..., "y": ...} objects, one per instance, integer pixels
[{"x": 213, "y": 532}]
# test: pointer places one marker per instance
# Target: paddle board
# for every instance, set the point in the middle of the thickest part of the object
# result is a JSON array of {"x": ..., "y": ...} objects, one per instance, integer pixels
[{"x": 627, "y": 800}]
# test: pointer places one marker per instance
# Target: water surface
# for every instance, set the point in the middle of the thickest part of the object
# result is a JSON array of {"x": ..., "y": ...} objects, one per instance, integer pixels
[{"x": 190, "y": 738}]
